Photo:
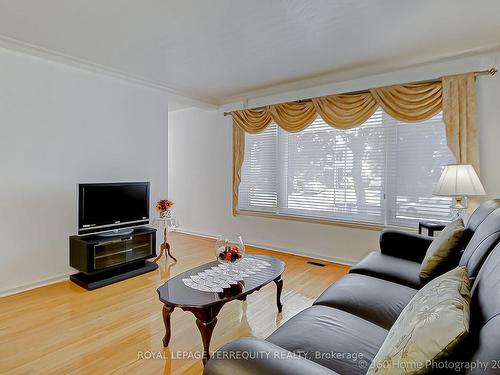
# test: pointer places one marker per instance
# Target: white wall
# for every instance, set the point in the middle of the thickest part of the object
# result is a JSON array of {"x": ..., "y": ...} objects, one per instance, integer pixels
[
  {"x": 200, "y": 158},
  {"x": 60, "y": 126}
]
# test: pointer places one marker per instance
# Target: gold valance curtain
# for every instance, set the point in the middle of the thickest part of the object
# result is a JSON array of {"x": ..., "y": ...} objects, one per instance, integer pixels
[
  {"x": 412, "y": 102},
  {"x": 454, "y": 95}
]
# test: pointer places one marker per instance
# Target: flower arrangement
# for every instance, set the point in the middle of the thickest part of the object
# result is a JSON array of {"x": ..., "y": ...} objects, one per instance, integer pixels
[
  {"x": 229, "y": 254},
  {"x": 229, "y": 250},
  {"x": 164, "y": 206}
]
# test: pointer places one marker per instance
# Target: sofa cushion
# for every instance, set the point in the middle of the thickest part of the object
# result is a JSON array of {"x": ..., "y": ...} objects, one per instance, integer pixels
[
  {"x": 485, "y": 238},
  {"x": 429, "y": 328},
  {"x": 387, "y": 267},
  {"x": 376, "y": 300},
  {"x": 479, "y": 215},
  {"x": 404, "y": 245},
  {"x": 332, "y": 338},
  {"x": 446, "y": 245},
  {"x": 253, "y": 356},
  {"x": 483, "y": 343}
]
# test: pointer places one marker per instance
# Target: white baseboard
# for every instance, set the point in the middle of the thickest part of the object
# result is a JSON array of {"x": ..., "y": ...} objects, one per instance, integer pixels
[
  {"x": 57, "y": 279},
  {"x": 347, "y": 262},
  {"x": 33, "y": 285},
  {"x": 195, "y": 233}
]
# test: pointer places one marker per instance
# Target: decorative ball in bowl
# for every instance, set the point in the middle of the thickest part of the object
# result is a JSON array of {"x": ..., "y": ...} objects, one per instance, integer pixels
[{"x": 229, "y": 250}]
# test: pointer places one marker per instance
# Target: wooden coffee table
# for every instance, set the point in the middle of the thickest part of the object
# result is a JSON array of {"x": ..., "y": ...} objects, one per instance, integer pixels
[{"x": 206, "y": 305}]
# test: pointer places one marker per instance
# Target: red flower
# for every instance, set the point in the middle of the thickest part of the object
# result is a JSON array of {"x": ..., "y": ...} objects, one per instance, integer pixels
[{"x": 164, "y": 204}]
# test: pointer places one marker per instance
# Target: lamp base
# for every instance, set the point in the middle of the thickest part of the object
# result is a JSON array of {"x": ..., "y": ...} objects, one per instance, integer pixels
[
  {"x": 459, "y": 203},
  {"x": 458, "y": 213},
  {"x": 459, "y": 207}
]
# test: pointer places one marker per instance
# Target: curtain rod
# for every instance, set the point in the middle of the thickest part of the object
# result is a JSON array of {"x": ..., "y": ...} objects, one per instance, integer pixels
[{"x": 487, "y": 72}]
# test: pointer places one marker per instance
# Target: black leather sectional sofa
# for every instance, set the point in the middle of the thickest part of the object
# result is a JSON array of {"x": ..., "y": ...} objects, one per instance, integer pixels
[{"x": 344, "y": 329}]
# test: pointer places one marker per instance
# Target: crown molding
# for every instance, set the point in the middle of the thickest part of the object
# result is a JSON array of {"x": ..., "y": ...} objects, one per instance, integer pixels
[
  {"x": 235, "y": 101},
  {"x": 65, "y": 59}
]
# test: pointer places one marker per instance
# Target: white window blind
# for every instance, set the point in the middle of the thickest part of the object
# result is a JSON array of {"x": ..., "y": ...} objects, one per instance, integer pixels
[
  {"x": 381, "y": 172},
  {"x": 416, "y": 155},
  {"x": 332, "y": 173},
  {"x": 258, "y": 186}
]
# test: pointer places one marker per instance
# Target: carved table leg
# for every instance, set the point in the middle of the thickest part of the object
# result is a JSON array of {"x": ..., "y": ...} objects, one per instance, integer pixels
[
  {"x": 166, "y": 246},
  {"x": 206, "y": 319},
  {"x": 167, "y": 310},
  {"x": 279, "y": 286},
  {"x": 162, "y": 249},
  {"x": 206, "y": 329},
  {"x": 169, "y": 252}
]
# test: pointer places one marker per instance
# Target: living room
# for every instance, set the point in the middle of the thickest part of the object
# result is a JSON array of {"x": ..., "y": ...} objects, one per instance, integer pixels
[{"x": 269, "y": 187}]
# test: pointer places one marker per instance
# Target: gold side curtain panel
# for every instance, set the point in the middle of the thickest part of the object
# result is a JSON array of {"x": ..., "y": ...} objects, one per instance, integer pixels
[{"x": 414, "y": 102}]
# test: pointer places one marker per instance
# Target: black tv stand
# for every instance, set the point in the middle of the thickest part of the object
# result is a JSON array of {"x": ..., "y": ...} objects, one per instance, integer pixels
[
  {"x": 116, "y": 232},
  {"x": 106, "y": 260},
  {"x": 91, "y": 282}
]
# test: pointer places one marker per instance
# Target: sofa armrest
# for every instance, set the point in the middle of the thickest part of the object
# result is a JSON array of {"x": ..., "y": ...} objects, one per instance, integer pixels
[
  {"x": 404, "y": 245},
  {"x": 252, "y": 356}
]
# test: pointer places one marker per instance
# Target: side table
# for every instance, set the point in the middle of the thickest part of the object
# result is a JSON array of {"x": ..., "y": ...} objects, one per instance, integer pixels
[
  {"x": 165, "y": 224},
  {"x": 431, "y": 227}
]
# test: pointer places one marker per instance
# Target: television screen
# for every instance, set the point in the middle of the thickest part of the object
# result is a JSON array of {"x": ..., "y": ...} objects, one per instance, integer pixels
[{"x": 107, "y": 206}]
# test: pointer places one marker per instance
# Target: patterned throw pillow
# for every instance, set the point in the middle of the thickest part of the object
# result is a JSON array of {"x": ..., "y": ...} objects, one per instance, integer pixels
[
  {"x": 429, "y": 327},
  {"x": 444, "y": 245}
]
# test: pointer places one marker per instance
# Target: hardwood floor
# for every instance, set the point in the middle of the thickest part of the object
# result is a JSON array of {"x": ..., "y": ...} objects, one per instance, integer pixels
[{"x": 64, "y": 329}]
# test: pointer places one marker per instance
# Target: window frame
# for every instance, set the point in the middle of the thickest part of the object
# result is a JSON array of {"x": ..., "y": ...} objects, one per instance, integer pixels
[{"x": 343, "y": 222}]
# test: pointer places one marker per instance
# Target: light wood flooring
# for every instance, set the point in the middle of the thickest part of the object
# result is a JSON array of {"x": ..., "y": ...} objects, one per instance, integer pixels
[{"x": 64, "y": 329}]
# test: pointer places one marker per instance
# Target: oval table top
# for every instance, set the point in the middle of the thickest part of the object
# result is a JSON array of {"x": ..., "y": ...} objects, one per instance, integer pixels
[{"x": 175, "y": 293}]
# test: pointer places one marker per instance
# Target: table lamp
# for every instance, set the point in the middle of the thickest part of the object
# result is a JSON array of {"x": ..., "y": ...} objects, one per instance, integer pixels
[{"x": 459, "y": 181}]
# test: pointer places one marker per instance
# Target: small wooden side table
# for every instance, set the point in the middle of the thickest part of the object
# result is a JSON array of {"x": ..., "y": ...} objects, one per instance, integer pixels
[
  {"x": 165, "y": 224},
  {"x": 430, "y": 226}
]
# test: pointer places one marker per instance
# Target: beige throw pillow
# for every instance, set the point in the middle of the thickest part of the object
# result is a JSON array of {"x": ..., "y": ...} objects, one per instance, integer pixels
[
  {"x": 429, "y": 327},
  {"x": 444, "y": 245}
]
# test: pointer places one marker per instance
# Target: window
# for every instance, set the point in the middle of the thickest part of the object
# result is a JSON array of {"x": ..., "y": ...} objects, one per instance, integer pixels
[
  {"x": 382, "y": 172},
  {"x": 258, "y": 186}
]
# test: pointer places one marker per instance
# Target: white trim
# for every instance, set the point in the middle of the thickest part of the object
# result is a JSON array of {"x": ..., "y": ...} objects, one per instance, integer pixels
[
  {"x": 294, "y": 89},
  {"x": 353, "y": 79},
  {"x": 332, "y": 259},
  {"x": 64, "y": 277},
  {"x": 76, "y": 62},
  {"x": 33, "y": 285}
]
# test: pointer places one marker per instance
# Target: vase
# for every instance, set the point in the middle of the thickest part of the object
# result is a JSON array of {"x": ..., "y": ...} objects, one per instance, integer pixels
[
  {"x": 229, "y": 250},
  {"x": 167, "y": 214}
]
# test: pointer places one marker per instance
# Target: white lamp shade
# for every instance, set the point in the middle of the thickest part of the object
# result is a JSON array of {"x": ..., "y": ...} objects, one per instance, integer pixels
[{"x": 459, "y": 180}]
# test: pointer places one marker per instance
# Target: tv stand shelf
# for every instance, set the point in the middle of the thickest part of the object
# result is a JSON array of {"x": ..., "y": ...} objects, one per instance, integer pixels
[{"x": 103, "y": 260}]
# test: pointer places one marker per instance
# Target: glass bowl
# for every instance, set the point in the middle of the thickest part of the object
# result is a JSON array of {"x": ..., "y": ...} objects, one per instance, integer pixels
[{"x": 229, "y": 251}]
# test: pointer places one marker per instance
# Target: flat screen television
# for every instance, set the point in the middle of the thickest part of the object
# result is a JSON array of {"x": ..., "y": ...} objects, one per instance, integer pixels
[{"x": 111, "y": 207}]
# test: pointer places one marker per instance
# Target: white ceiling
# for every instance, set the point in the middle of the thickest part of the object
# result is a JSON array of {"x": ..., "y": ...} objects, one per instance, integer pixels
[{"x": 216, "y": 50}]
